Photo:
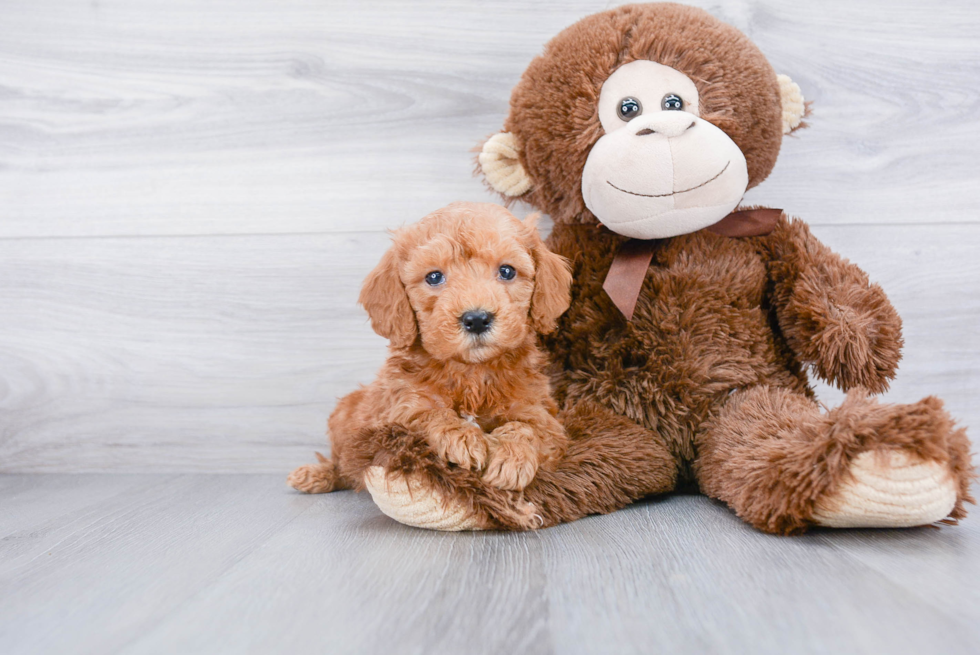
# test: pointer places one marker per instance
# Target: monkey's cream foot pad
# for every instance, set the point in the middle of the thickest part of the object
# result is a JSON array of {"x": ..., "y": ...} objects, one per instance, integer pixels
[
  {"x": 889, "y": 490},
  {"x": 408, "y": 501}
]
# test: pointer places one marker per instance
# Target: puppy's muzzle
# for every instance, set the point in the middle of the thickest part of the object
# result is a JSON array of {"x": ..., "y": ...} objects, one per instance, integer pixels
[{"x": 476, "y": 322}]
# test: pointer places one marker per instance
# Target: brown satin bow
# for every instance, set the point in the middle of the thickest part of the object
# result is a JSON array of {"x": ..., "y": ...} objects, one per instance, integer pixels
[{"x": 630, "y": 265}]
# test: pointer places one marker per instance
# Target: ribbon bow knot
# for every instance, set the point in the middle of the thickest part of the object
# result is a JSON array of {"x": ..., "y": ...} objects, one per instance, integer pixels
[{"x": 629, "y": 267}]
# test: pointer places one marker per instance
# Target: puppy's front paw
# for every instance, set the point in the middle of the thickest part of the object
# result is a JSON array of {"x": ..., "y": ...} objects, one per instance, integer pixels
[
  {"x": 465, "y": 446},
  {"x": 512, "y": 466}
]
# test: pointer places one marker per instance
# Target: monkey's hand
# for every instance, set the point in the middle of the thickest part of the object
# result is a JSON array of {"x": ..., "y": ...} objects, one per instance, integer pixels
[{"x": 831, "y": 315}]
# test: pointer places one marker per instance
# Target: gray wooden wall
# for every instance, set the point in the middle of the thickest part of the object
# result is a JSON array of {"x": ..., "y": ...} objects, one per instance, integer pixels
[{"x": 192, "y": 191}]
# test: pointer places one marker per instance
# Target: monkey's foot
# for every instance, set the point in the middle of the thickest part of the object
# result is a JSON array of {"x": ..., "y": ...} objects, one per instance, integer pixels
[
  {"x": 409, "y": 501},
  {"x": 890, "y": 489}
]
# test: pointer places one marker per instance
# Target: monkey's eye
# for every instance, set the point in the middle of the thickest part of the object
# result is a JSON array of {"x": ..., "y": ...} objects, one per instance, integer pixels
[
  {"x": 629, "y": 108},
  {"x": 507, "y": 272},
  {"x": 672, "y": 101},
  {"x": 435, "y": 278}
]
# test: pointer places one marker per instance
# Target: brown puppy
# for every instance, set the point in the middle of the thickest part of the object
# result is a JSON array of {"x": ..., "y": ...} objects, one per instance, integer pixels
[{"x": 461, "y": 295}]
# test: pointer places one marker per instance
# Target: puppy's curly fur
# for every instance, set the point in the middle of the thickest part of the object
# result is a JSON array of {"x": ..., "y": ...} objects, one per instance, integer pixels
[{"x": 481, "y": 398}]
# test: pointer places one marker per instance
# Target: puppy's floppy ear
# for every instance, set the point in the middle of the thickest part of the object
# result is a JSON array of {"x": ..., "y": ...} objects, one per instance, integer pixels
[
  {"x": 383, "y": 296},
  {"x": 552, "y": 281}
]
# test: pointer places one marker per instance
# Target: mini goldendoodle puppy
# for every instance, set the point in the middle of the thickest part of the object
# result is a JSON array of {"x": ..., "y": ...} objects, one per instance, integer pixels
[{"x": 461, "y": 296}]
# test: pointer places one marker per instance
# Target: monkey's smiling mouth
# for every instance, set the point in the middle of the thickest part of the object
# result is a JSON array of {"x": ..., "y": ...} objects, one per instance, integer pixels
[{"x": 674, "y": 193}]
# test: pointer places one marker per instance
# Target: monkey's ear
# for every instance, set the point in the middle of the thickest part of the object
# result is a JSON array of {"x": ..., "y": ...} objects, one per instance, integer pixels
[
  {"x": 793, "y": 105},
  {"x": 501, "y": 165},
  {"x": 383, "y": 296},
  {"x": 552, "y": 282}
]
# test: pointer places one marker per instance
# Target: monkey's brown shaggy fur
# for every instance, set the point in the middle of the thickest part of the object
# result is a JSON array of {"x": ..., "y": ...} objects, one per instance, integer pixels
[
  {"x": 481, "y": 400},
  {"x": 708, "y": 382}
]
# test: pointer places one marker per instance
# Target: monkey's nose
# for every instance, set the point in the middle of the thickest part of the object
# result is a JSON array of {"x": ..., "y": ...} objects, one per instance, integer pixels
[
  {"x": 664, "y": 123},
  {"x": 671, "y": 132},
  {"x": 476, "y": 322}
]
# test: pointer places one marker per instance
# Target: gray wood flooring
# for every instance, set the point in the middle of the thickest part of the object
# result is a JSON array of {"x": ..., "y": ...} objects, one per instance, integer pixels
[{"x": 238, "y": 563}]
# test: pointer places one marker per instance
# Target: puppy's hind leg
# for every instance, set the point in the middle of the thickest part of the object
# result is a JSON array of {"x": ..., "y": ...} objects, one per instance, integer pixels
[
  {"x": 319, "y": 478},
  {"x": 329, "y": 474}
]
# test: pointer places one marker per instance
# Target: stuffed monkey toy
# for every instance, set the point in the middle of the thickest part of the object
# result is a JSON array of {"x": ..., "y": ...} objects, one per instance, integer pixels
[{"x": 694, "y": 324}]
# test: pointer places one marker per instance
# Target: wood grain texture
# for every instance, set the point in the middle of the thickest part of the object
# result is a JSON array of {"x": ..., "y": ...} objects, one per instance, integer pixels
[
  {"x": 164, "y": 117},
  {"x": 191, "y": 193},
  {"x": 234, "y": 564}
]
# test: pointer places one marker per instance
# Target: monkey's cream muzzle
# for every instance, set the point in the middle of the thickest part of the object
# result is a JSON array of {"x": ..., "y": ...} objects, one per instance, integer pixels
[
  {"x": 663, "y": 174},
  {"x": 659, "y": 170}
]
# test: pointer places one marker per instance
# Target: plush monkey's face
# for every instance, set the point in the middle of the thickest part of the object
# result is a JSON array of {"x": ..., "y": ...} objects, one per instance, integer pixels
[
  {"x": 659, "y": 170},
  {"x": 652, "y": 119}
]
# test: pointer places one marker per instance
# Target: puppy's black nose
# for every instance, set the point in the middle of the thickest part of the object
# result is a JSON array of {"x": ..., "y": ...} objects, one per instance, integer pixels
[{"x": 476, "y": 322}]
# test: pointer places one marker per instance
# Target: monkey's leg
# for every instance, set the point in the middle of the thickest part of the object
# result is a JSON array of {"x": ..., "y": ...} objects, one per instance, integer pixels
[
  {"x": 783, "y": 466},
  {"x": 610, "y": 462}
]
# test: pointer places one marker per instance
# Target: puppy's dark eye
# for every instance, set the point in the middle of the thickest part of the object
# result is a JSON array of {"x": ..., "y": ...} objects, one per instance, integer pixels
[
  {"x": 629, "y": 108},
  {"x": 672, "y": 101},
  {"x": 435, "y": 278},
  {"x": 507, "y": 272}
]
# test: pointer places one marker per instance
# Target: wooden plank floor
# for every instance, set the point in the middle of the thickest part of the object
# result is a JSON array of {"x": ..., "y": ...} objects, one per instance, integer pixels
[{"x": 237, "y": 563}]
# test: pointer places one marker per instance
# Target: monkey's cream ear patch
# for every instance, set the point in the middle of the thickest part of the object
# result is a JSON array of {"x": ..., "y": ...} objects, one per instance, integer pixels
[
  {"x": 792, "y": 99},
  {"x": 408, "y": 501},
  {"x": 501, "y": 165},
  {"x": 889, "y": 490}
]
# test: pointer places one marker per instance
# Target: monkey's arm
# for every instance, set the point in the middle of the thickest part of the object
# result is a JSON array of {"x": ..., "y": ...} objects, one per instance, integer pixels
[{"x": 831, "y": 316}]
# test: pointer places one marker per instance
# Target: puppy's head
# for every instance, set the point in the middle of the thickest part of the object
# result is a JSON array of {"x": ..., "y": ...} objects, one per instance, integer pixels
[{"x": 471, "y": 280}]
